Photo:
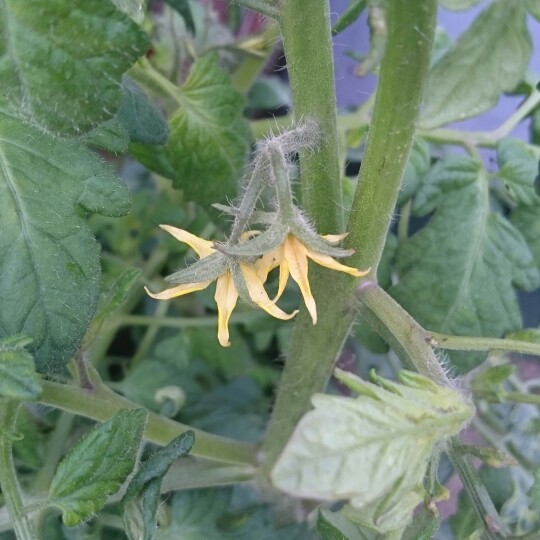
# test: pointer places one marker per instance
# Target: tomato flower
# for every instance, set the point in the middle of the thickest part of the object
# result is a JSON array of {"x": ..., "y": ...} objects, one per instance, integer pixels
[{"x": 230, "y": 276}]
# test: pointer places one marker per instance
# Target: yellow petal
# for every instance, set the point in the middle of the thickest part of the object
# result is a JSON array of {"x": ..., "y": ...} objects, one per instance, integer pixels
[
  {"x": 283, "y": 277},
  {"x": 179, "y": 290},
  {"x": 225, "y": 297},
  {"x": 296, "y": 256},
  {"x": 325, "y": 260},
  {"x": 335, "y": 238},
  {"x": 268, "y": 262},
  {"x": 202, "y": 247},
  {"x": 259, "y": 296}
]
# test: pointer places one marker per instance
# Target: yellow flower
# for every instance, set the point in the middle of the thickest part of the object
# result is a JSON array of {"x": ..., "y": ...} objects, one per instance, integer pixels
[
  {"x": 292, "y": 258},
  {"x": 226, "y": 294}
]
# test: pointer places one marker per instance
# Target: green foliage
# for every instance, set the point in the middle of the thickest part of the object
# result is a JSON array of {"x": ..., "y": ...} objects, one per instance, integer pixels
[
  {"x": 335, "y": 526},
  {"x": 49, "y": 282},
  {"x": 97, "y": 466},
  {"x": 142, "y": 496},
  {"x": 18, "y": 377},
  {"x": 208, "y": 144},
  {"x": 209, "y": 514},
  {"x": 343, "y": 439},
  {"x": 71, "y": 50},
  {"x": 517, "y": 167},
  {"x": 462, "y": 283},
  {"x": 490, "y": 57},
  {"x": 349, "y": 16}
]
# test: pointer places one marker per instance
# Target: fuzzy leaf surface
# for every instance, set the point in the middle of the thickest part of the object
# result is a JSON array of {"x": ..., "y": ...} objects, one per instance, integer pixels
[
  {"x": 490, "y": 57},
  {"x": 143, "y": 494},
  {"x": 457, "y": 273},
  {"x": 18, "y": 377},
  {"x": 527, "y": 220},
  {"x": 518, "y": 167},
  {"x": 61, "y": 62},
  {"x": 208, "y": 144},
  {"x": 97, "y": 466},
  {"x": 49, "y": 269},
  {"x": 384, "y": 437}
]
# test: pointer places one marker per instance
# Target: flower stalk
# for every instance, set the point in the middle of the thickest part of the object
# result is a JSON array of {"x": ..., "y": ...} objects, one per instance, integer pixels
[{"x": 313, "y": 350}]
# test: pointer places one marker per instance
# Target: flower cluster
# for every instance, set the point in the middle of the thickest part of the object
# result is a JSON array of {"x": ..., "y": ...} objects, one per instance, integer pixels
[{"x": 241, "y": 266}]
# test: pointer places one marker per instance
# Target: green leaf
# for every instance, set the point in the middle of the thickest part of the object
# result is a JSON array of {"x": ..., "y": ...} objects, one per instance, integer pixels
[
  {"x": 416, "y": 169},
  {"x": 183, "y": 8},
  {"x": 111, "y": 136},
  {"x": 49, "y": 271},
  {"x": 518, "y": 167},
  {"x": 111, "y": 298},
  {"x": 490, "y": 57},
  {"x": 142, "y": 496},
  {"x": 385, "y": 437},
  {"x": 349, "y": 16},
  {"x": 457, "y": 273},
  {"x": 132, "y": 8},
  {"x": 458, "y": 5},
  {"x": 335, "y": 526},
  {"x": 61, "y": 62},
  {"x": 97, "y": 466},
  {"x": 423, "y": 527},
  {"x": 142, "y": 119},
  {"x": 533, "y": 7},
  {"x": 526, "y": 219},
  {"x": 527, "y": 334},
  {"x": 29, "y": 449},
  {"x": 69, "y": 81},
  {"x": 208, "y": 145},
  {"x": 207, "y": 514},
  {"x": 18, "y": 377},
  {"x": 534, "y": 490}
]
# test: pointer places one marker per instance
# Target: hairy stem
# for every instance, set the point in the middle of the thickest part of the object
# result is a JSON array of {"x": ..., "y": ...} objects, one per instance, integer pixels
[
  {"x": 469, "y": 343},
  {"x": 8, "y": 475},
  {"x": 101, "y": 403},
  {"x": 476, "y": 490},
  {"x": 305, "y": 27},
  {"x": 313, "y": 349}
]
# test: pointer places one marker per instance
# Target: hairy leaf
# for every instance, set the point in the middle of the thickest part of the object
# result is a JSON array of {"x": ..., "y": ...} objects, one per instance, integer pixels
[
  {"x": 142, "y": 496},
  {"x": 97, "y": 466},
  {"x": 372, "y": 450},
  {"x": 490, "y": 57},
  {"x": 457, "y": 273},
  {"x": 61, "y": 62},
  {"x": 518, "y": 167},
  {"x": 142, "y": 118},
  {"x": 49, "y": 269},
  {"x": 209, "y": 141},
  {"x": 527, "y": 220},
  {"x": 18, "y": 377},
  {"x": 349, "y": 16},
  {"x": 111, "y": 298}
]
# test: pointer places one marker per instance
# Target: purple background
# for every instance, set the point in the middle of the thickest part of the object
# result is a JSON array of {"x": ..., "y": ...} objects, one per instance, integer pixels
[{"x": 352, "y": 90}]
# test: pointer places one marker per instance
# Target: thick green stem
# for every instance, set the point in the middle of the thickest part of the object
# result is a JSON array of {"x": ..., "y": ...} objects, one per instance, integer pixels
[
  {"x": 101, "y": 403},
  {"x": 8, "y": 475},
  {"x": 313, "y": 349},
  {"x": 305, "y": 27}
]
